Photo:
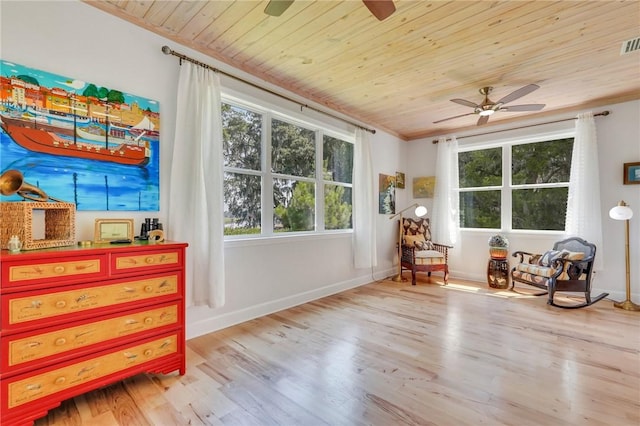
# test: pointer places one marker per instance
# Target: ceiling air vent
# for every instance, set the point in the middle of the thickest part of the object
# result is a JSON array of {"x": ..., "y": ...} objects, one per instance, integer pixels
[{"x": 630, "y": 46}]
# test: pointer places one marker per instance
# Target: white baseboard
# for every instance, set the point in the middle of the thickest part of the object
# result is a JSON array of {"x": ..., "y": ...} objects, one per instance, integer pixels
[{"x": 203, "y": 320}]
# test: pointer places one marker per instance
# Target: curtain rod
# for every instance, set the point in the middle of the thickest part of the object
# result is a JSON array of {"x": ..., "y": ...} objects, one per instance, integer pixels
[
  {"x": 168, "y": 51},
  {"x": 603, "y": 113}
]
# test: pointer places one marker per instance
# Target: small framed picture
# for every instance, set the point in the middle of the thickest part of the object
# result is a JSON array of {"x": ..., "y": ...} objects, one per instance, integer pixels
[
  {"x": 108, "y": 230},
  {"x": 399, "y": 180},
  {"x": 631, "y": 173}
]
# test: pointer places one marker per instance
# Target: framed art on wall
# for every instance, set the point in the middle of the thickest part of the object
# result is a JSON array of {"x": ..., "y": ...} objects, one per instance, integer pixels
[
  {"x": 631, "y": 173},
  {"x": 423, "y": 187},
  {"x": 386, "y": 194},
  {"x": 86, "y": 144}
]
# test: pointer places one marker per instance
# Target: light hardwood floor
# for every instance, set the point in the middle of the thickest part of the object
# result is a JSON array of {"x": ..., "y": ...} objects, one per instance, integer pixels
[{"x": 394, "y": 354}]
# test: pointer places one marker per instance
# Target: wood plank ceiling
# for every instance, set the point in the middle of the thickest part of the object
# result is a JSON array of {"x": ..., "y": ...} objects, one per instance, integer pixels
[{"x": 400, "y": 74}]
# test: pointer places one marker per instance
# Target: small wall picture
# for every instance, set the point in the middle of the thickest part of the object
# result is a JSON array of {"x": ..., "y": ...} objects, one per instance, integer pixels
[
  {"x": 399, "y": 180},
  {"x": 423, "y": 187},
  {"x": 386, "y": 194},
  {"x": 631, "y": 173}
]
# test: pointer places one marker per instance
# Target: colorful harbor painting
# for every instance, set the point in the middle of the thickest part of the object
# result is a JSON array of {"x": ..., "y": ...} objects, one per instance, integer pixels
[{"x": 79, "y": 142}]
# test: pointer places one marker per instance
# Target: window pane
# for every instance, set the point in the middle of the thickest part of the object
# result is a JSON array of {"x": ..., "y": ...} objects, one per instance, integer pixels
[
  {"x": 293, "y": 150},
  {"x": 540, "y": 208},
  {"x": 480, "y": 168},
  {"x": 241, "y": 204},
  {"x": 338, "y": 160},
  {"x": 337, "y": 207},
  {"x": 542, "y": 162},
  {"x": 480, "y": 209},
  {"x": 241, "y": 136},
  {"x": 294, "y": 205}
]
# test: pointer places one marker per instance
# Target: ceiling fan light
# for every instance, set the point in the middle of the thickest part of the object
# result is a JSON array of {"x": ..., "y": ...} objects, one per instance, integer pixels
[{"x": 486, "y": 112}]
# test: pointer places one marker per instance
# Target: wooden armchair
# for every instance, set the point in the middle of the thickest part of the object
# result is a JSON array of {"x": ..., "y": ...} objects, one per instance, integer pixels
[
  {"x": 419, "y": 253},
  {"x": 568, "y": 267}
]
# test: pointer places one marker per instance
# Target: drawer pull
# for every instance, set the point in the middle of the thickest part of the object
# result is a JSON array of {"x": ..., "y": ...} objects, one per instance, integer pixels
[
  {"x": 148, "y": 320},
  {"x": 148, "y": 352},
  {"x": 60, "y": 341},
  {"x": 149, "y": 260},
  {"x": 61, "y": 304},
  {"x": 148, "y": 288},
  {"x": 59, "y": 269},
  {"x": 60, "y": 380}
]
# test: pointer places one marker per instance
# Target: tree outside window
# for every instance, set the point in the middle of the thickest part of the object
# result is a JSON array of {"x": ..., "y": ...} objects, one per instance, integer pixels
[
  {"x": 525, "y": 184},
  {"x": 287, "y": 185}
]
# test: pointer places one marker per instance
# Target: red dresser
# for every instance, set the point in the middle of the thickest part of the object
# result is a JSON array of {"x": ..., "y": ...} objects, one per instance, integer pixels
[{"x": 75, "y": 319}]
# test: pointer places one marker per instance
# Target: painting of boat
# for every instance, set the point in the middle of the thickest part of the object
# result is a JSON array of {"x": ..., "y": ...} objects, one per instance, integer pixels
[
  {"x": 87, "y": 143},
  {"x": 47, "y": 139}
]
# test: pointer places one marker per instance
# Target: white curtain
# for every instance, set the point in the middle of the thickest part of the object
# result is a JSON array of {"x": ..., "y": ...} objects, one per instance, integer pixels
[
  {"x": 196, "y": 191},
  {"x": 364, "y": 204},
  {"x": 583, "y": 204},
  {"x": 445, "y": 227}
]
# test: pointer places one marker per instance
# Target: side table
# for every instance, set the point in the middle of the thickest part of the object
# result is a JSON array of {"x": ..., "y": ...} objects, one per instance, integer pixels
[{"x": 498, "y": 273}]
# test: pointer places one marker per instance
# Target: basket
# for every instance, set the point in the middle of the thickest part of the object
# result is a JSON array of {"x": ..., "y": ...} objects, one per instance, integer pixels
[{"x": 17, "y": 219}]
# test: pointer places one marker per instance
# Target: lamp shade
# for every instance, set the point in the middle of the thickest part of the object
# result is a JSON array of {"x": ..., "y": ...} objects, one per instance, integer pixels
[
  {"x": 420, "y": 211},
  {"x": 621, "y": 212}
]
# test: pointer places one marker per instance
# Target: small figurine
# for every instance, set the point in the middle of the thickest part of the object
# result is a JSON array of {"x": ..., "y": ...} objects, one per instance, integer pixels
[{"x": 15, "y": 245}]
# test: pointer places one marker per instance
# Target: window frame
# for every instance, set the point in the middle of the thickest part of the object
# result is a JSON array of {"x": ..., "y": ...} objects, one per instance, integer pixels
[
  {"x": 507, "y": 187},
  {"x": 270, "y": 111}
]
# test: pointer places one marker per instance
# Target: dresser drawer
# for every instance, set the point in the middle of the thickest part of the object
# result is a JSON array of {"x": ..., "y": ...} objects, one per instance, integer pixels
[
  {"x": 26, "y": 388},
  {"x": 23, "y": 349},
  {"x": 61, "y": 269},
  {"x": 136, "y": 262},
  {"x": 83, "y": 301}
]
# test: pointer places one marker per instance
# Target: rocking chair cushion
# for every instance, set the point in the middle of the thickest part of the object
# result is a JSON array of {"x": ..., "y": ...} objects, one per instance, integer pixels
[{"x": 550, "y": 256}]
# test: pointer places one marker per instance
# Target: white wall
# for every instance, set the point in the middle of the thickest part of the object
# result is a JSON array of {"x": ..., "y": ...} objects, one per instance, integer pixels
[
  {"x": 618, "y": 143},
  {"x": 77, "y": 40}
]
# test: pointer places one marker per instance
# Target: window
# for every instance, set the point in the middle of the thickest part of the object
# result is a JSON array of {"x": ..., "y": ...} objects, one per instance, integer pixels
[
  {"x": 515, "y": 186},
  {"x": 283, "y": 176}
]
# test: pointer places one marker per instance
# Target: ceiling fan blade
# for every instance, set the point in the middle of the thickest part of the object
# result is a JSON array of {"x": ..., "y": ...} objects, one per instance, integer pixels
[
  {"x": 465, "y": 103},
  {"x": 381, "y": 9},
  {"x": 277, "y": 7},
  {"x": 518, "y": 93},
  {"x": 451, "y": 118},
  {"x": 483, "y": 120},
  {"x": 525, "y": 107}
]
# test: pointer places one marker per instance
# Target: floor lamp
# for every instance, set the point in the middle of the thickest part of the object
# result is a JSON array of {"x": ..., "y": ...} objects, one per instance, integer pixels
[
  {"x": 420, "y": 211},
  {"x": 623, "y": 212}
]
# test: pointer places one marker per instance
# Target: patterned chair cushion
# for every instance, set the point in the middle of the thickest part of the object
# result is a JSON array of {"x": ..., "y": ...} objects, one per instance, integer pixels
[
  {"x": 550, "y": 255},
  {"x": 429, "y": 257},
  {"x": 525, "y": 276},
  {"x": 543, "y": 271},
  {"x": 416, "y": 227}
]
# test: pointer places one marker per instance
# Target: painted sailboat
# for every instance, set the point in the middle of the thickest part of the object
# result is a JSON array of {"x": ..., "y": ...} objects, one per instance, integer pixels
[{"x": 145, "y": 127}]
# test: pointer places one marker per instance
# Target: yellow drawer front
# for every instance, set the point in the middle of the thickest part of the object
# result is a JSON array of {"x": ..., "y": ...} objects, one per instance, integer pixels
[
  {"x": 32, "y": 308},
  {"x": 40, "y": 271},
  {"x": 32, "y": 388},
  {"x": 60, "y": 341},
  {"x": 147, "y": 260}
]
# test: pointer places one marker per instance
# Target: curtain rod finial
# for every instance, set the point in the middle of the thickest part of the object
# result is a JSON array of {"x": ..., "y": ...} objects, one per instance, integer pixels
[{"x": 166, "y": 50}]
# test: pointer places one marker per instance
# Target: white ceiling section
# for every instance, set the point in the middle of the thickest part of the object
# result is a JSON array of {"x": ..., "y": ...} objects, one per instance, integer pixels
[{"x": 400, "y": 74}]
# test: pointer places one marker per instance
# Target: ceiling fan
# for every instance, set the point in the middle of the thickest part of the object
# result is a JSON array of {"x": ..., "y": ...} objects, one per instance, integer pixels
[
  {"x": 381, "y": 9},
  {"x": 488, "y": 107}
]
